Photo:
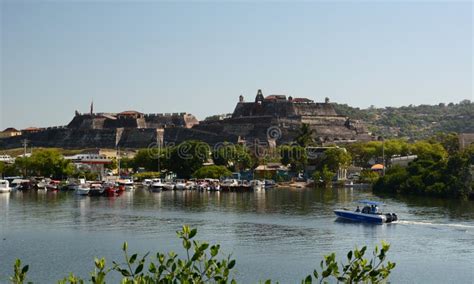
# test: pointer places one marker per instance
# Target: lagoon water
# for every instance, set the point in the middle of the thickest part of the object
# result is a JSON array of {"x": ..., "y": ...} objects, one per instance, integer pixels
[{"x": 280, "y": 234}]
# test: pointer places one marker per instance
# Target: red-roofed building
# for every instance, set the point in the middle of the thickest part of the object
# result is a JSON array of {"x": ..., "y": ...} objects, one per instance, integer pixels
[
  {"x": 31, "y": 130},
  {"x": 302, "y": 100},
  {"x": 10, "y": 132}
]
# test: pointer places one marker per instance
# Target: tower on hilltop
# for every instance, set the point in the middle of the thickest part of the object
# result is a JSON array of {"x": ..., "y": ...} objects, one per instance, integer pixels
[{"x": 259, "y": 98}]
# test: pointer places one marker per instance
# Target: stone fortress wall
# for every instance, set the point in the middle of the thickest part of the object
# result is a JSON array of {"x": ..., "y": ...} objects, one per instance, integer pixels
[{"x": 249, "y": 122}]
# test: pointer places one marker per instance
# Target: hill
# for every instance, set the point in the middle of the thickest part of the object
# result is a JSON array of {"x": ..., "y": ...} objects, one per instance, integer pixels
[{"x": 414, "y": 121}]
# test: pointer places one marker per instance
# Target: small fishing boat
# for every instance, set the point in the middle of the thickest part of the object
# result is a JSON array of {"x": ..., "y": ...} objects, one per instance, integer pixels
[
  {"x": 169, "y": 185},
  {"x": 257, "y": 185},
  {"x": 4, "y": 186},
  {"x": 126, "y": 184},
  {"x": 180, "y": 184},
  {"x": 269, "y": 183},
  {"x": 370, "y": 213},
  {"x": 190, "y": 185},
  {"x": 109, "y": 189},
  {"x": 147, "y": 182},
  {"x": 96, "y": 189},
  {"x": 156, "y": 185},
  {"x": 82, "y": 189}
]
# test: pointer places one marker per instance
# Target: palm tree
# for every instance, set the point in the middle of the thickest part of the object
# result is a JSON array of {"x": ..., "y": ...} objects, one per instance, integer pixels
[{"x": 304, "y": 137}]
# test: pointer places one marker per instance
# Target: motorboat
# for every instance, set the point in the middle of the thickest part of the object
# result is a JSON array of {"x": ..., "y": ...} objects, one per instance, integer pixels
[
  {"x": 19, "y": 184},
  {"x": 82, "y": 189},
  {"x": 213, "y": 185},
  {"x": 156, "y": 185},
  {"x": 169, "y": 185},
  {"x": 257, "y": 185},
  {"x": 53, "y": 185},
  {"x": 4, "y": 186},
  {"x": 203, "y": 185},
  {"x": 269, "y": 183},
  {"x": 180, "y": 184},
  {"x": 370, "y": 213},
  {"x": 229, "y": 184},
  {"x": 190, "y": 185},
  {"x": 109, "y": 189},
  {"x": 147, "y": 182},
  {"x": 126, "y": 184},
  {"x": 96, "y": 189},
  {"x": 41, "y": 185}
]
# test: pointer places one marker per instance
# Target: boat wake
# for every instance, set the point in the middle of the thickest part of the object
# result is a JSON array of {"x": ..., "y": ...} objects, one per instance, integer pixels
[{"x": 421, "y": 223}]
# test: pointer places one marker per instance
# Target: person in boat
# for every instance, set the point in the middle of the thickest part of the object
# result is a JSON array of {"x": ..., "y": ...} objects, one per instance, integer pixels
[
  {"x": 366, "y": 210},
  {"x": 358, "y": 209}
]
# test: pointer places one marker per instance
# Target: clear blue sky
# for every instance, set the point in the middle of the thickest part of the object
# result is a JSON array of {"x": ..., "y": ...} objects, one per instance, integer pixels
[{"x": 199, "y": 57}]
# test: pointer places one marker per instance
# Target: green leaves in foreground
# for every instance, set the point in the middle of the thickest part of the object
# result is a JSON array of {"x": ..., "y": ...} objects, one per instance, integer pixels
[
  {"x": 200, "y": 265},
  {"x": 19, "y": 273},
  {"x": 358, "y": 269}
]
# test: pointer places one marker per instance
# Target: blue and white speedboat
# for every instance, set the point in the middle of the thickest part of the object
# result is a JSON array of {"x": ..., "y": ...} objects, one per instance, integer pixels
[{"x": 370, "y": 213}]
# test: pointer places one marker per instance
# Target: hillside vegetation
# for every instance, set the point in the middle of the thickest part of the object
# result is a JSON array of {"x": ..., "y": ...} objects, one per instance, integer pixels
[{"x": 414, "y": 121}]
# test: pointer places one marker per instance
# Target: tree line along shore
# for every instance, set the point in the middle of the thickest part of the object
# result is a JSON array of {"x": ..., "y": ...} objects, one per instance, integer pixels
[{"x": 438, "y": 166}]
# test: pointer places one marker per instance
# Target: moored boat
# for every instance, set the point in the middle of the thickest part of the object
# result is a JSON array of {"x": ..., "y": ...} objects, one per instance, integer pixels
[
  {"x": 257, "y": 185},
  {"x": 96, "y": 189},
  {"x": 156, "y": 185},
  {"x": 370, "y": 213},
  {"x": 4, "y": 186},
  {"x": 169, "y": 185},
  {"x": 82, "y": 189},
  {"x": 126, "y": 184},
  {"x": 180, "y": 184}
]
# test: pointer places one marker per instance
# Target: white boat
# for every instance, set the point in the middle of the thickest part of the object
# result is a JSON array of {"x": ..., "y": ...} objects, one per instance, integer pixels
[
  {"x": 156, "y": 185},
  {"x": 4, "y": 186},
  {"x": 127, "y": 184},
  {"x": 180, "y": 184},
  {"x": 169, "y": 185},
  {"x": 41, "y": 185},
  {"x": 82, "y": 189},
  {"x": 190, "y": 185},
  {"x": 369, "y": 214},
  {"x": 257, "y": 185},
  {"x": 147, "y": 182},
  {"x": 16, "y": 184}
]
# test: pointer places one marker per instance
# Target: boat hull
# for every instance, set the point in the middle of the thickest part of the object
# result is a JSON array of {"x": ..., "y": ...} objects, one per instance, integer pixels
[{"x": 361, "y": 217}]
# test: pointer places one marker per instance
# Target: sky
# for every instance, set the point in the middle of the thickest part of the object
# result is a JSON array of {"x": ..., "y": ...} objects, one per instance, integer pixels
[{"x": 198, "y": 57}]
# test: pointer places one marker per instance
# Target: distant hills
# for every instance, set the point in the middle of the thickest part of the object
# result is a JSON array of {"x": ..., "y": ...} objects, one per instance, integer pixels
[{"x": 414, "y": 121}]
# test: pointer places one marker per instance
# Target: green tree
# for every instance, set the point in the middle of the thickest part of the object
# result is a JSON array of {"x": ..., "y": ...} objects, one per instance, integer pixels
[
  {"x": 336, "y": 158},
  {"x": 449, "y": 141},
  {"x": 293, "y": 155},
  {"x": 369, "y": 176},
  {"x": 305, "y": 136},
  {"x": 429, "y": 151},
  {"x": 235, "y": 157},
  {"x": 212, "y": 171},
  {"x": 188, "y": 157},
  {"x": 47, "y": 162},
  {"x": 323, "y": 177}
]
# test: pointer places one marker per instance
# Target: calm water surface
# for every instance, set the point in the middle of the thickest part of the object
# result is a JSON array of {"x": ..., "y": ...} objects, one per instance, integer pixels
[{"x": 279, "y": 234}]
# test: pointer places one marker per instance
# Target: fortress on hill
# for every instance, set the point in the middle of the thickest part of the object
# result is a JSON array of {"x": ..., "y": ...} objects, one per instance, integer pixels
[{"x": 275, "y": 119}]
